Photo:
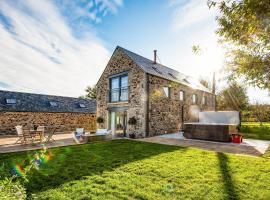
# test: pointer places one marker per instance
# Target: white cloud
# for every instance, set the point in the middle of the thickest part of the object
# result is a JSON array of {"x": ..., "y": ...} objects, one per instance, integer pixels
[
  {"x": 190, "y": 13},
  {"x": 42, "y": 55},
  {"x": 79, "y": 11}
]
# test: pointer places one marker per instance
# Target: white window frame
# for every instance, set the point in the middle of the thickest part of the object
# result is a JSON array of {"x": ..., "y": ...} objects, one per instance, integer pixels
[
  {"x": 204, "y": 99},
  {"x": 167, "y": 91},
  {"x": 53, "y": 104},
  {"x": 11, "y": 101},
  {"x": 183, "y": 95},
  {"x": 82, "y": 105},
  {"x": 194, "y": 98}
]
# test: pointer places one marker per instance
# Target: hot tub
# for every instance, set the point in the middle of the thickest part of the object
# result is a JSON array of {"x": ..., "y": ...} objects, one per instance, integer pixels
[
  {"x": 214, "y": 126},
  {"x": 219, "y": 132}
]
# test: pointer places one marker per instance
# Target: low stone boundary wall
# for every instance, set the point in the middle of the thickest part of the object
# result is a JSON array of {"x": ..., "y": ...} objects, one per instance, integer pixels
[{"x": 66, "y": 121}]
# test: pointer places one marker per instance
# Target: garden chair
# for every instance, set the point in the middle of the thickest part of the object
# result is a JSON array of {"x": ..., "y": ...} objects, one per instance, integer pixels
[
  {"x": 19, "y": 130},
  {"x": 79, "y": 132},
  {"x": 28, "y": 138},
  {"x": 49, "y": 138},
  {"x": 41, "y": 130},
  {"x": 24, "y": 135}
]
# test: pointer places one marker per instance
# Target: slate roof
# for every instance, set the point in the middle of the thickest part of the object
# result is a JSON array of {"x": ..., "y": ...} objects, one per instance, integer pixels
[
  {"x": 29, "y": 102},
  {"x": 162, "y": 71}
]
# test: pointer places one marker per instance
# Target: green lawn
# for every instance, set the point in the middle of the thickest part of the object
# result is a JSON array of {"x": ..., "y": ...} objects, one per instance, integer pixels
[
  {"x": 255, "y": 131},
  {"x": 125, "y": 169}
]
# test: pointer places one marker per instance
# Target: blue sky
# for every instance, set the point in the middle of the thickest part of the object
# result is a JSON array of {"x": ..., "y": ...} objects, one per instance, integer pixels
[{"x": 61, "y": 46}]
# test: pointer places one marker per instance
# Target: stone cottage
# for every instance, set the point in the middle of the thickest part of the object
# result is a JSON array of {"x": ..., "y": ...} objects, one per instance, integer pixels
[
  {"x": 159, "y": 98},
  {"x": 29, "y": 109}
]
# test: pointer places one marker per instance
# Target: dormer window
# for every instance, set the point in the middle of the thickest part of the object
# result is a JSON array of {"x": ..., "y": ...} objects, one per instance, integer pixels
[
  {"x": 53, "y": 103},
  {"x": 11, "y": 101},
  {"x": 81, "y": 105},
  {"x": 157, "y": 70}
]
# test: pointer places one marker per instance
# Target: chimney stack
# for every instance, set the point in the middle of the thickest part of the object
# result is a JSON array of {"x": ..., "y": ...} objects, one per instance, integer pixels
[{"x": 155, "y": 56}]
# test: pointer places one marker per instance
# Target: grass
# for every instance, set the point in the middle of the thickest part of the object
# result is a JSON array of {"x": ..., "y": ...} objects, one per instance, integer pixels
[
  {"x": 255, "y": 131},
  {"x": 124, "y": 169}
]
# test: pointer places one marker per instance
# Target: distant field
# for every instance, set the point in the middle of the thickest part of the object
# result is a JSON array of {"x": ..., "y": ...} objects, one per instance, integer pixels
[{"x": 255, "y": 131}]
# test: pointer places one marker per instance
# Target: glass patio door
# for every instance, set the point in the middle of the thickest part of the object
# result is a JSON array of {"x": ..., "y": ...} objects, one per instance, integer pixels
[{"x": 118, "y": 123}]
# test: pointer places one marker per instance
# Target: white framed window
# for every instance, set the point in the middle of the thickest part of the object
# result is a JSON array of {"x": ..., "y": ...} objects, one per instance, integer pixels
[
  {"x": 53, "y": 103},
  {"x": 11, "y": 101},
  {"x": 204, "y": 102},
  {"x": 81, "y": 105},
  {"x": 119, "y": 88},
  {"x": 194, "y": 98},
  {"x": 182, "y": 95},
  {"x": 167, "y": 91}
]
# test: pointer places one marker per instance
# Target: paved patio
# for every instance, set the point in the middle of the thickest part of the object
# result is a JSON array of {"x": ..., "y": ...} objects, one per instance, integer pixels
[
  {"x": 248, "y": 147},
  {"x": 7, "y": 143}
]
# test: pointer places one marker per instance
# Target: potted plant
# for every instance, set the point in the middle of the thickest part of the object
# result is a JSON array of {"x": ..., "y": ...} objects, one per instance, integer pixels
[
  {"x": 100, "y": 120},
  {"x": 35, "y": 127},
  {"x": 132, "y": 121}
]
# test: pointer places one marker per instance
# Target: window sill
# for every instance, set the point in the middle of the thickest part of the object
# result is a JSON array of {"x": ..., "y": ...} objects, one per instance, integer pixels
[{"x": 118, "y": 102}]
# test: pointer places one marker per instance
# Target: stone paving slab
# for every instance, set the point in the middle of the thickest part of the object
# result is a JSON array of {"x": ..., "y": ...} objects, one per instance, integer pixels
[
  {"x": 7, "y": 144},
  {"x": 63, "y": 139},
  {"x": 248, "y": 147}
]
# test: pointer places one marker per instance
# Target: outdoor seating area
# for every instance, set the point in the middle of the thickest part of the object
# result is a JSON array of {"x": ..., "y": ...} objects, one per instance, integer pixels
[
  {"x": 34, "y": 134},
  {"x": 8, "y": 143},
  {"x": 31, "y": 138}
]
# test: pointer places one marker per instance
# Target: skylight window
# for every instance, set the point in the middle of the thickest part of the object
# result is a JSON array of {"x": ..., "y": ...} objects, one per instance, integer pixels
[
  {"x": 186, "y": 80},
  {"x": 82, "y": 105},
  {"x": 173, "y": 76},
  {"x": 11, "y": 101},
  {"x": 157, "y": 70},
  {"x": 53, "y": 103}
]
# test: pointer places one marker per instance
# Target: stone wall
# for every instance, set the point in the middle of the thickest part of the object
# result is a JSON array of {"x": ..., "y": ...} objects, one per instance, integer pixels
[
  {"x": 118, "y": 63},
  {"x": 165, "y": 113},
  {"x": 68, "y": 121}
]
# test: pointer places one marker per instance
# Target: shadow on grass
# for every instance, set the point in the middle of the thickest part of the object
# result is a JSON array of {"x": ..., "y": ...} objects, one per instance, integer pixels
[
  {"x": 227, "y": 177},
  {"x": 81, "y": 161}
]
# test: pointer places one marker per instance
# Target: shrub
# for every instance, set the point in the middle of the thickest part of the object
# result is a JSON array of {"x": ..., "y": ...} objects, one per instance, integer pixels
[
  {"x": 132, "y": 121},
  {"x": 10, "y": 185},
  {"x": 100, "y": 120},
  {"x": 132, "y": 135}
]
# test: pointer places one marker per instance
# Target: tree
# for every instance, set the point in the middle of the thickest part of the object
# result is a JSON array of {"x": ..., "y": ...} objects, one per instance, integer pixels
[
  {"x": 205, "y": 83},
  {"x": 261, "y": 112},
  {"x": 244, "y": 25},
  {"x": 233, "y": 97},
  {"x": 91, "y": 92}
]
